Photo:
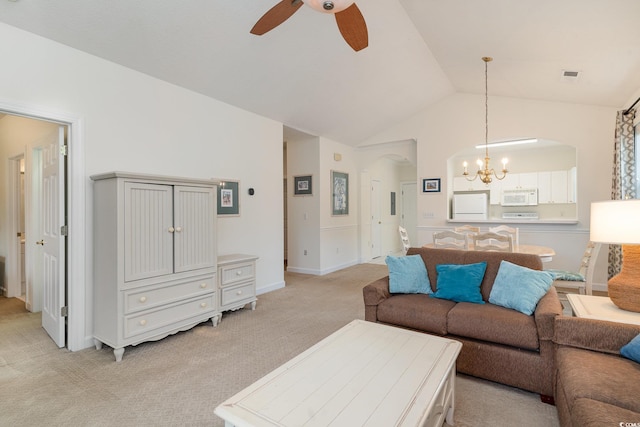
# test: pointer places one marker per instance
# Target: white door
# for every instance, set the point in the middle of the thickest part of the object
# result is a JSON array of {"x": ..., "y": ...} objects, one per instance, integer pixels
[
  {"x": 376, "y": 221},
  {"x": 409, "y": 206},
  {"x": 52, "y": 254}
]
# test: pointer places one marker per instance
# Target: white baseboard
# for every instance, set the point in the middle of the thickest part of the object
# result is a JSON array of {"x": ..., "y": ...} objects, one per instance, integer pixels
[{"x": 269, "y": 288}]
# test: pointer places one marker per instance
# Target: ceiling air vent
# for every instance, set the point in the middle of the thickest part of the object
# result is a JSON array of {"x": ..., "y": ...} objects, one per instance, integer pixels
[{"x": 570, "y": 76}]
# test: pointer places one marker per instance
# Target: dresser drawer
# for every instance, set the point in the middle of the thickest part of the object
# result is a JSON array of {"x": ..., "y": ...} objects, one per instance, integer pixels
[
  {"x": 237, "y": 293},
  {"x": 143, "y": 299},
  {"x": 236, "y": 273},
  {"x": 155, "y": 319}
]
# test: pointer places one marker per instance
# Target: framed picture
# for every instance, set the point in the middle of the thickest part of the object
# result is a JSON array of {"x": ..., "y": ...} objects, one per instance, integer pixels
[
  {"x": 302, "y": 185},
  {"x": 228, "y": 198},
  {"x": 431, "y": 185},
  {"x": 339, "y": 193}
]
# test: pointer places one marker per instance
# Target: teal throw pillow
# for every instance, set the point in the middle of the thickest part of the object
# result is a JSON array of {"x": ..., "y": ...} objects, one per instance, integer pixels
[
  {"x": 632, "y": 349},
  {"x": 569, "y": 276},
  {"x": 460, "y": 282},
  {"x": 408, "y": 275},
  {"x": 519, "y": 288}
]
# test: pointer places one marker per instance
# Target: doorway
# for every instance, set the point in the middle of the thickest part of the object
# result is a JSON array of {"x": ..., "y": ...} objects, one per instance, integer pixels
[{"x": 36, "y": 243}]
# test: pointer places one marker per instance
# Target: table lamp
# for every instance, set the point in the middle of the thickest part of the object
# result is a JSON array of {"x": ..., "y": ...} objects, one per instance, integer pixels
[{"x": 618, "y": 222}]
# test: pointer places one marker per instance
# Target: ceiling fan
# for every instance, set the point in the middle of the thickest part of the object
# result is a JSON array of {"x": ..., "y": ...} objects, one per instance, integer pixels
[{"x": 348, "y": 17}]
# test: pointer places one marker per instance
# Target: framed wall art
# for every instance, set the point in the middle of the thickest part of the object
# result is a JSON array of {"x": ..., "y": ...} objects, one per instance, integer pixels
[
  {"x": 302, "y": 185},
  {"x": 229, "y": 198},
  {"x": 431, "y": 185},
  {"x": 339, "y": 193}
]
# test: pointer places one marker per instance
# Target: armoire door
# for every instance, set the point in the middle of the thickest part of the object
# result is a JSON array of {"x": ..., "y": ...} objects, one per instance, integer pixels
[
  {"x": 194, "y": 222},
  {"x": 148, "y": 230}
]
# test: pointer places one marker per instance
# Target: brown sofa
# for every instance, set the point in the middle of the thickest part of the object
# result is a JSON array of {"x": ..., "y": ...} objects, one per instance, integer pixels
[
  {"x": 594, "y": 385},
  {"x": 498, "y": 344}
]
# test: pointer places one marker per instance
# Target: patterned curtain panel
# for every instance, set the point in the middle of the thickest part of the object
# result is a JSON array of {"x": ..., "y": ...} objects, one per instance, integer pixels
[{"x": 624, "y": 173}]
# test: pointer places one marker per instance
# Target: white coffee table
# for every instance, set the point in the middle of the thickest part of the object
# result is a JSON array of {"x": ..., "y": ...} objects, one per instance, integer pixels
[
  {"x": 365, "y": 374},
  {"x": 601, "y": 308}
]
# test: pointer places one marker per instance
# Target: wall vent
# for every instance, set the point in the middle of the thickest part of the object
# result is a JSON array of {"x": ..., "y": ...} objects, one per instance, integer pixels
[{"x": 570, "y": 75}]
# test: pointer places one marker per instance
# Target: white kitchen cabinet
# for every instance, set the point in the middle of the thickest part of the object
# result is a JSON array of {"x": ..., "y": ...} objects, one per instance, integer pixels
[
  {"x": 154, "y": 257},
  {"x": 553, "y": 187}
]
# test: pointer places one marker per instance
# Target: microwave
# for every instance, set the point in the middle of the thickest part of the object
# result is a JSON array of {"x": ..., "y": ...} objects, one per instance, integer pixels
[{"x": 520, "y": 197}]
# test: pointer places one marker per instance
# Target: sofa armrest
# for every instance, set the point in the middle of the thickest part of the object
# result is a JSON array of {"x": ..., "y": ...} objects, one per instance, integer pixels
[
  {"x": 548, "y": 308},
  {"x": 374, "y": 293},
  {"x": 595, "y": 335}
]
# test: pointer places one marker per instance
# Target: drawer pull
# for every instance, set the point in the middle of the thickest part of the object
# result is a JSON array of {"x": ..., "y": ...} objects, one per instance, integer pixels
[
  {"x": 143, "y": 299},
  {"x": 239, "y": 293},
  {"x": 239, "y": 273},
  {"x": 203, "y": 285},
  {"x": 143, "y": 322},
  {"x": 203, "y": 304}
]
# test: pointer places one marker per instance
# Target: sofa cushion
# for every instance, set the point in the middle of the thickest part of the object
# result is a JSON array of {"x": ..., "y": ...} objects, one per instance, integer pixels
[
  {"x": 519, "y": 288},
  {"x": 494, "y": 324},
  {"x": 603, "y": 377},
  {"x": 416, "y": 311},
  {"x": 592, "y": 413},
  {"x": 460, "y": 282},
  {"x": 407, "y": 275},
  {"x": 632, "y": 349}
]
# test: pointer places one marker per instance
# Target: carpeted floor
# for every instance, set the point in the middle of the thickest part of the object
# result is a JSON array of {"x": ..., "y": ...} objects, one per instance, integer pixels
[{"x": 181, "y": 379}]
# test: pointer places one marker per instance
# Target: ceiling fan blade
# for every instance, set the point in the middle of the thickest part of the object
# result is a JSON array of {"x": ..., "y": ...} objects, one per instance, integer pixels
[
  {"x": 353, "y": 28},
  {"x": 276, "y": 16}
]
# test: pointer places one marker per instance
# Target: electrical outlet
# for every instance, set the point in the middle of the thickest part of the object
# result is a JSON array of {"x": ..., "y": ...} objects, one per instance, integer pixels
[{"x": 428, "y": 215}]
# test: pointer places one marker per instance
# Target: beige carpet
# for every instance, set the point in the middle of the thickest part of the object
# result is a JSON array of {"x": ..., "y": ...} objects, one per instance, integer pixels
[{"x": 181, "y": 379}]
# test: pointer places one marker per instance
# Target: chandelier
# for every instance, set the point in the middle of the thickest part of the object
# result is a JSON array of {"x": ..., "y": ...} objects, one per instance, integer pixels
[{"x": 485, "y": 173}]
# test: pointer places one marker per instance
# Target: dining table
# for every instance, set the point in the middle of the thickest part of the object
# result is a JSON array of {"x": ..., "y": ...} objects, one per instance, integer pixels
[{"x": 545, "y": 253}]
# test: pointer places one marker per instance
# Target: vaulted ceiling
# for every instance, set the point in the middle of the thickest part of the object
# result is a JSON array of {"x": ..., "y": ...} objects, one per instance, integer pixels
[{"x": 304, "y": 75}]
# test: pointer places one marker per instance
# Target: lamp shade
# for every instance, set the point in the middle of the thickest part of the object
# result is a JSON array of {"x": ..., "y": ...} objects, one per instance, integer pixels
[{"x": 616, "y": 221}]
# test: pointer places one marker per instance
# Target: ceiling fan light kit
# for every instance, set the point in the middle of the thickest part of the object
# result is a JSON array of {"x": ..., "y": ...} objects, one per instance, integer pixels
[
  {"x": 329, "y": 6},
  {"x": 348, "y": 17}
]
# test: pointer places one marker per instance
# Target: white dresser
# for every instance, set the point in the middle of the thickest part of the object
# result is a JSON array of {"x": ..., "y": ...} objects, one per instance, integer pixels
[
  {"x": 154, "y": 257},
  {"x": 237, "y": 281}
]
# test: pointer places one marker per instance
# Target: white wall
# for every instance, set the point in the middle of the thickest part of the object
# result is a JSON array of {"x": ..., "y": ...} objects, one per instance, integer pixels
[
  {"x": 303, "y": 216},
  {"x": 133, "y": 122},
  {"x": 338, "y": 234},
  {"x": 457, "y": 123}
]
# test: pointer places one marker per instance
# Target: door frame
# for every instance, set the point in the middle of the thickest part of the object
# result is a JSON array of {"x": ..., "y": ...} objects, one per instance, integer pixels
[
  {"x": 14, "y": 273},
  {"x": 377, "y": 209},
  {"x": 79, "y": 289}
]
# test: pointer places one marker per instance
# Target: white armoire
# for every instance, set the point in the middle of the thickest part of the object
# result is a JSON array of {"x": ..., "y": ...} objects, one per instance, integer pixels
[{"x": 154, "y": 257}]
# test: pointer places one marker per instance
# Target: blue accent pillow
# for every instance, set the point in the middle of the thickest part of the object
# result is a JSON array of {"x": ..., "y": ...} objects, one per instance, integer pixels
[
  {"x": 569, "y": 276},
  {"x": 408, "y": 275},
  {"x": 632, "y": 349},
  {"x": 519, "y": 288},
  {"x": 460, "y": 282}
]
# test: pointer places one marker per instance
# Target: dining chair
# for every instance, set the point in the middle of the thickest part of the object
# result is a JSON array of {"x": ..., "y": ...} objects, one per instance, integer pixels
[
  {"x": 505, "y": 229},
  {"x": 493, "y": 242},
  {"x": 581, "y": 280},
  {"x": 467, "y": 229},
  {"x": 404, "y": 237},
  {"x": 450, "y": 239}
]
